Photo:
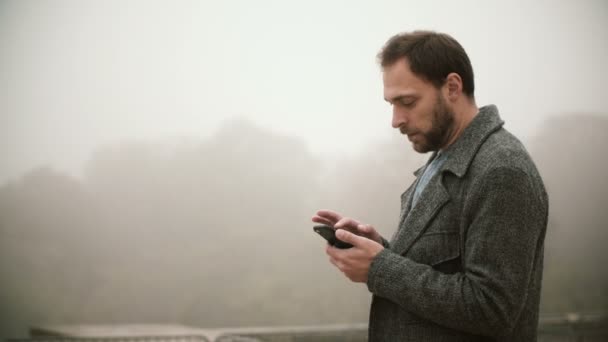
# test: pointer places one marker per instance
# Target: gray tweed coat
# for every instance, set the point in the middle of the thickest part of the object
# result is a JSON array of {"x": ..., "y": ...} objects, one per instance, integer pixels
[{"x": 466, "y": 262}]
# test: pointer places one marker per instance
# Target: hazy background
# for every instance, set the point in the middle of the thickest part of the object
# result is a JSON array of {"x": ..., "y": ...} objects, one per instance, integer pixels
[{"x": 160, "y": 160}]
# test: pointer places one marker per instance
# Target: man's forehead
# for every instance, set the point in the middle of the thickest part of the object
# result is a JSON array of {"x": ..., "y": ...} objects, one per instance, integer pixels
[
  {"x": 399, "y": 81},
  {"x": 400, "y": 67}
]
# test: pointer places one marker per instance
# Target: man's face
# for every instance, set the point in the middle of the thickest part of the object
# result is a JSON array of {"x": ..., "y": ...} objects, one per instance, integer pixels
[{"x": 419, "y": 109}]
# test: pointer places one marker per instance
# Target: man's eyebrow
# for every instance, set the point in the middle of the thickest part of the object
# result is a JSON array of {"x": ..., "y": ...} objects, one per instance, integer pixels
[{"x": 400, "y": 97}]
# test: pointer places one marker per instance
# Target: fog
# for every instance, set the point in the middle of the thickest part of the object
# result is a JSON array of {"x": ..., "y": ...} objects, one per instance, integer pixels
[{"x": 160, "y": 161}]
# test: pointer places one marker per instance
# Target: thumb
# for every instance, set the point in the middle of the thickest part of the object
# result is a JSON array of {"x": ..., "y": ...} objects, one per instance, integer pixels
[
  {"x": 346, "y": 222},
  {"x": 351, "y": 238},
  {"x": 365, "y": 228}
]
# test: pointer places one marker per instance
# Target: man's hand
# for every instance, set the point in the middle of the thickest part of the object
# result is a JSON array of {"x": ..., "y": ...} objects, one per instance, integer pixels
[
  {"x": 354, "y": 262},
  {"x": 333, "y": 219}
]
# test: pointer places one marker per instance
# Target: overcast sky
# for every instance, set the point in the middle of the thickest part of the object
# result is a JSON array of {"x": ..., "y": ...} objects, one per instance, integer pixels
[{"x": 76, "y": 75}]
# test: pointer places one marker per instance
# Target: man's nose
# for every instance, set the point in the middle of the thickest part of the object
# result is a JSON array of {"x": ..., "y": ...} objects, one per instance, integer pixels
[{"x": 399, "y": 117}]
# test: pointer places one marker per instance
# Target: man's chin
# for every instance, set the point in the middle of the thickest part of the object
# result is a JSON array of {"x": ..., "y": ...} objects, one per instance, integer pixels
[{"x": 420, "y": 147}]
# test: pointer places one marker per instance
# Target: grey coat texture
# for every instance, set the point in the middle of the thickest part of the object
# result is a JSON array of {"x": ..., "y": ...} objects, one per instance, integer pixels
[{"x": 465, "y": 264}]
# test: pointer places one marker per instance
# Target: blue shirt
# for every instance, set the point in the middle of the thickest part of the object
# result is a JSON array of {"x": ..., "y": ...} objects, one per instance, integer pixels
[{"x": 429, "y": 171}]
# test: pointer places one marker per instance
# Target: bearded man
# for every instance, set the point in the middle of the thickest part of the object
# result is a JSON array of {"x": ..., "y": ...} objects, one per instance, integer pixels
[{"x": 466, "y": 260}]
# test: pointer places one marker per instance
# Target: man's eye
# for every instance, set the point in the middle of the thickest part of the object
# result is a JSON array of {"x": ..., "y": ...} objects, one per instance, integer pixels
[{"x": 407, "y": 103}]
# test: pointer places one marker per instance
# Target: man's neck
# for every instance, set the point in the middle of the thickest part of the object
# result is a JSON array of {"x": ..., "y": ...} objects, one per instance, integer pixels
[{"x": 462, "y": 119}]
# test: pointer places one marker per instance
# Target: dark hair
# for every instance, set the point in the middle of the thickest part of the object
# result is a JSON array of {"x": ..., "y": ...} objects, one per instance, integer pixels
[{"x": 431, "y": 55}]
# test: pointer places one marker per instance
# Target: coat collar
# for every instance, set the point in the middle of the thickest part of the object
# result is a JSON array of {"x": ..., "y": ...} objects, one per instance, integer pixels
[
  {"x": 463, "y": 150},
  {"x": 435, "y": 196}
]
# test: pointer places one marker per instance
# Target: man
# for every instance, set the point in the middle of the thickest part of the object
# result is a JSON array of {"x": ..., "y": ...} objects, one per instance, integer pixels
[{"x": 465, "y": 263}]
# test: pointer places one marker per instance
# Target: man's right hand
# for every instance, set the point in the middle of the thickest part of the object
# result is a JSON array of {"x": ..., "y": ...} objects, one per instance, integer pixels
[{"x": 332, "y": 218}]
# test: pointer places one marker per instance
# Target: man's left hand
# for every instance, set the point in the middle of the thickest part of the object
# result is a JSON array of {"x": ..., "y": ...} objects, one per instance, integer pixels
[{"x": 354, "y": 262}]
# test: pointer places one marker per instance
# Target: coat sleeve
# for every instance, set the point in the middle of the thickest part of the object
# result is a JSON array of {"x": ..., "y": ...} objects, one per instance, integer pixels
[
  {"x": 385, "y": 243},
  {"x": 507, "y": 222}
]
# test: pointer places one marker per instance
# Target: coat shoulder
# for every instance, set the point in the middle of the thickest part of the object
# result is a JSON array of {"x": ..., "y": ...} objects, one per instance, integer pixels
[{"x": 503, "y": 150}]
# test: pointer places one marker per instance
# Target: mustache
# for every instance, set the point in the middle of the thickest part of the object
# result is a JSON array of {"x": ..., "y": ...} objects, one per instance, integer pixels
[{"x": 406, "y": 131}]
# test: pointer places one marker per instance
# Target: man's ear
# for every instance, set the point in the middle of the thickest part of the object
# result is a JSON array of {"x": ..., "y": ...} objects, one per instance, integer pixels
[{"x": 453, "y": 84}]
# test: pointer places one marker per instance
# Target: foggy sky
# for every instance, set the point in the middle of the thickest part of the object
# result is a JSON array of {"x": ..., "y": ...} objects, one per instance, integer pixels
[
  {"x": 197, "y": 126},
  {"x": 77, "y": 75}
]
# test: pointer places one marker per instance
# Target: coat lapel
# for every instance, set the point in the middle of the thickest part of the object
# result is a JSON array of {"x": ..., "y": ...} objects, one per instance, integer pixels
[
  {"x": 414, "y": 221},
  {"x": 408, "y": 195}
]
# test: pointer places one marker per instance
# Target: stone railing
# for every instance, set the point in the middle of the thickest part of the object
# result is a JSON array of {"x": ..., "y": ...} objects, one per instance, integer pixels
[{"x": 572, "y": 327}]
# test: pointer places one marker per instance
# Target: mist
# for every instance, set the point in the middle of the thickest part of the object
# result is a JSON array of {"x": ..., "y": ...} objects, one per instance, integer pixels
[{"x": 160, "y": 161}]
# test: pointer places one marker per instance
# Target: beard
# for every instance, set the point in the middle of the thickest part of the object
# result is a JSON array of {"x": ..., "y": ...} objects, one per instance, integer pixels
[{"x": 442, "y": 120}]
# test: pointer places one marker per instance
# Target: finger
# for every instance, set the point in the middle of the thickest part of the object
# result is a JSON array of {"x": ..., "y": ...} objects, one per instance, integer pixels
[
  {"x": 365, "y": 228},
  {"x": 353, "y": 239},
  {"x": 322, "y": 220},
  {"x": 329, "y": 215},
  {"x": 332, "y": 260},
  {"x": 369, "y": 231},
  {"x": 330, "y": 250},
  {"x": 335, "y": 253},
  {"x": 347, "y": 222},
  {"x": 339, "y": 265}
]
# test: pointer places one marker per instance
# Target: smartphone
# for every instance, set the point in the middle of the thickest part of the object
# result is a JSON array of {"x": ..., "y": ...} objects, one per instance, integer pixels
[{"x": 329, "y": 234}]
